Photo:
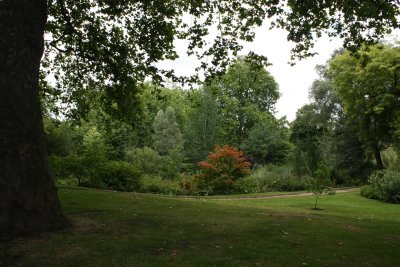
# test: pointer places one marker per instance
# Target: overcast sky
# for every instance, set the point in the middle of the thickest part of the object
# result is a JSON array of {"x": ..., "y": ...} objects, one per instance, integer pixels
[{"x": 294, "y": 81}]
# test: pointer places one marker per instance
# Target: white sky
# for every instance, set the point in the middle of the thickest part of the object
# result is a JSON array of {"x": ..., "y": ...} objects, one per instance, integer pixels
[{"x": 294, "y": 81}]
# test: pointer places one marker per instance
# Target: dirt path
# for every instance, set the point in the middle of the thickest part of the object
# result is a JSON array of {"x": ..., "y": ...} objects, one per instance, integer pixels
[{"x": 344, "y": 190}]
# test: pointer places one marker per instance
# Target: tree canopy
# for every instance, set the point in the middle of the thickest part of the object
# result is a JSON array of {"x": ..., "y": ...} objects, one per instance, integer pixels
[
  {"x": 245, "y": 91},
  {"x": 114, "y": 46}
]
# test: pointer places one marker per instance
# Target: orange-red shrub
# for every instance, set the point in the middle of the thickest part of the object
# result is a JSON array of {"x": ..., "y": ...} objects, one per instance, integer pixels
[{"x": 222, "y": 169}]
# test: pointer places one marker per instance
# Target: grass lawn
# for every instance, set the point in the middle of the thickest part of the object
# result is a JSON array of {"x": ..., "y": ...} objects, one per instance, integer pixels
[{"x": 127, "y": 229}]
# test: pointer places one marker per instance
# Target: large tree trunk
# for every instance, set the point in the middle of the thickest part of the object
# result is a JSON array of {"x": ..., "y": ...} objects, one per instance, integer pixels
[{"x": 28, "y": 197}]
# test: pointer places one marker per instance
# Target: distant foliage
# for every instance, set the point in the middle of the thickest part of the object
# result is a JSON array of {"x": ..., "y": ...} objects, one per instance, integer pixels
[
  {"x": 202, "y": 125},
  {"x": 168, "y": 142},
  {"x": 223, "y": 168},
  {"x": 391, "y": 159},
  {"x": 167, "y": 135},
  {"x": 306, "y": 134},
  {"x": 268, "y": 141},
  {"x": 71, "y": 166}
]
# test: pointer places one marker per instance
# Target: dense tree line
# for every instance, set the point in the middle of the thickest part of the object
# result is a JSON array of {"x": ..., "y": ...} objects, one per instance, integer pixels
[
  {"x": 353, "y": 115},
  {"x": 180, "y": 127}
]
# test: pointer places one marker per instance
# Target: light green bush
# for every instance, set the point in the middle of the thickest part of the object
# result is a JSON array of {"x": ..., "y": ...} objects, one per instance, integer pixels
[
  {"x": 272, "y": 178},
  {"x": 385, "y": 185},
  {"x": 369, "y": 191},
  {"x": 390, "y": 159},
  {"x": 390, "y": 187}
]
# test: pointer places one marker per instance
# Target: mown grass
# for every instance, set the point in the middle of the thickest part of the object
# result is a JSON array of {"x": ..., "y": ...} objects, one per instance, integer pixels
[{"x": 127, "y": 229}]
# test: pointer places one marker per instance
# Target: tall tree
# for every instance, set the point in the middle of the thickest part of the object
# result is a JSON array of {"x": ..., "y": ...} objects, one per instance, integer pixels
[
  {"x": 28, "y": 197},
  {"x": 167, "y": 135},
  {"x": 307, "y": 131},
  {"x": 244, "y": 91},
  {"x": 367, "y": 83},
  {"x": 201, "y": 132},
  {"x": 112, "y": 46},
  {"x": 341, "y": 147}
]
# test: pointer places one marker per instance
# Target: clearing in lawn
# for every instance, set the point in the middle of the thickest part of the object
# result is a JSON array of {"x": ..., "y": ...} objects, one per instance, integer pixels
[{"x": 128, "y": 229}]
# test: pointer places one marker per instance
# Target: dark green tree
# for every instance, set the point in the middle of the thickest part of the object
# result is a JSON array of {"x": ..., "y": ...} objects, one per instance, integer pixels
[
  {"x": 306, "y": 133},
  {"x": 202, "y": 125},
  {"x": 340, "y": 149},
  {"x": 59, "y": 137},
  {"x": 112, "y": 46},
  {"x": 351, "y": 159},
  {"x": 268, "y": 141},
  {"x": 367, "y": 84}
]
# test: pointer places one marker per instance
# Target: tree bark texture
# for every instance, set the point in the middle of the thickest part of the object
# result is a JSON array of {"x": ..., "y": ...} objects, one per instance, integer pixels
[
  {"x": 28, "y": 197},
  {"x": 378, "y": 158}
]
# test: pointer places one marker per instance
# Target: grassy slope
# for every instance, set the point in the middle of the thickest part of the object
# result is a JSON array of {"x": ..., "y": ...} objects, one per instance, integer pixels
[{"x": 125, "y": 229}]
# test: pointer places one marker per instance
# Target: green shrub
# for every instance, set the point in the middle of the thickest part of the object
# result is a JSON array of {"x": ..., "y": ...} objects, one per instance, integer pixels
[
  {"x": 188, "y": 168},
  {"x": 369, "y": 191},
  {"x": 116, "y": 175},
  {"x": 149, "y": 162},
  {"x": 188, "y": 184},
  {"x": 390, "y": 187},
  {"x": 158, "y": 185},
  {"x": 145, "y": 159},
  {"x": 272, "y": 178},
  {"x": 385, "y": 186},
  {"x": 95, "y": 181},
  {"x": 170, "y": 164},
  {"x": 375, "y": 178},
  {"x": 251, "y": 184}
]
